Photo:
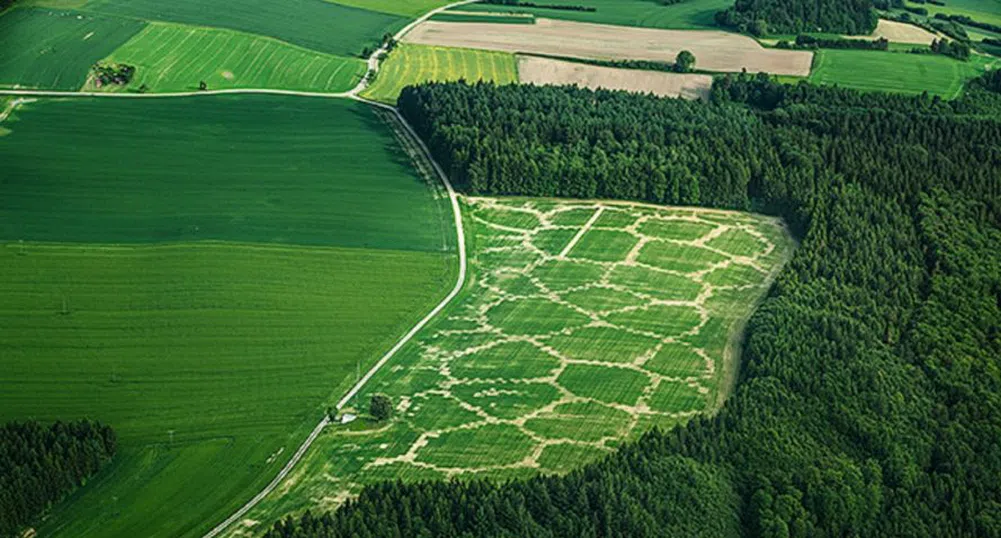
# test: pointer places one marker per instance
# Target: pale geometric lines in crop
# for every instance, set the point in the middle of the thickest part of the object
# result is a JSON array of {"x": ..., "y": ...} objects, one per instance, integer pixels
[
  {"x": 584, "y": 324},
  {"x": 552, "y": 344}
]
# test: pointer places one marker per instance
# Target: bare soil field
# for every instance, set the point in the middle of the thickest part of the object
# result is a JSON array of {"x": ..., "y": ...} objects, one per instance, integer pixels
[
  {"x": 713, "y": 50},
  {"x": 535, "y": 70},
  {"x": 900, "y": 32}
]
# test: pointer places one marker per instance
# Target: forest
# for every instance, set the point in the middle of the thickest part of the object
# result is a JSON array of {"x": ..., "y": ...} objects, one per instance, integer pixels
[
  {"x": 39, "y": 465},
  {"x": 869, "y": 398},
  {"x": 760, "y": 17}
]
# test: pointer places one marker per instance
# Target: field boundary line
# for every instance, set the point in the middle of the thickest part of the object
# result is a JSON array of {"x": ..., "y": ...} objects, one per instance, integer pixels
[
  {"x": 459, "y": 284},
  {"x": 580, "y": 233}
]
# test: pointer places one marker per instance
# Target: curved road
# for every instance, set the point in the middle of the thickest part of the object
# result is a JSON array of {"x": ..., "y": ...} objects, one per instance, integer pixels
[{"x": 373, "y": 67}]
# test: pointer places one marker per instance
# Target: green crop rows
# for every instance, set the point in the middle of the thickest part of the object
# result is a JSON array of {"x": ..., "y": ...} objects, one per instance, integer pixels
[
  {"x": 585, "y": 324},
  {"x": 207, "y": 284},
  {"x": 170, "y": 57},
  {"x": 54, "y": 49},
  {"x": 412, "y": 64}
]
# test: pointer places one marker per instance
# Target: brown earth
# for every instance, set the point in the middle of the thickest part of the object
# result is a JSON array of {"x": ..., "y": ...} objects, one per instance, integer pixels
[
  {"x": 535, "y": 70},
  {"x": 713, "y": 50}
]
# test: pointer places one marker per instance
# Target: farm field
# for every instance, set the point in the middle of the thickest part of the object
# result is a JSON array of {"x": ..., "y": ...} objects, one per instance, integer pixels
[
  {"x": 410, "y": 9},
  {"x": 54, "y": 49},
  {"x": 255, "y": 169},
  {"x": 212, "y": 300},
  {"x": 412, "y": 64},
  {"x": 536, "y": 70},
  {"x": 171, "y": 57},
  {"x": 899, "y": 32},
  {"x": 714, "y": 50},
  {"x": 988, "y": 11},
  {"x": 895, "y": 72},
  {"x": 585, "y": 324},
  {"x": 483, "y": 16},
  {"x": 691, "y": 15},
  {"x": 313, "y": 24}
]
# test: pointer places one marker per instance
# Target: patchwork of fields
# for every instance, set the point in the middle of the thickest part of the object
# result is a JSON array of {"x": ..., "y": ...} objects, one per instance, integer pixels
[
  {"x": 412, "y": 64},
  {"x": 207, "y": 284},
  {"x": 585, "y": 324},
  {"x": 714, "y": 50},
  {"x": 175, "y": 58}
]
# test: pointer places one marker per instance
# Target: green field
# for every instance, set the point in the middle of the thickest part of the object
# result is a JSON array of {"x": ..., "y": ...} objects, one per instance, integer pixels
[
  {"x": 54, "y": 49},
  {"x": 894, "y": 72},
  {"x": 313, "y": 24},
  {"x": 412, "y": 64},
  {"x": 207, "y": 285},
  {"x": 497, "y": 18},
  {"x": 171, "y": 57},
  {"x": 410, "y": 9},
  {"x": 256, "y": 169},
  {"x": 550, "y": 359},
  {"x": 694, "y": 14},
  {"x": 988, "y": 11}
]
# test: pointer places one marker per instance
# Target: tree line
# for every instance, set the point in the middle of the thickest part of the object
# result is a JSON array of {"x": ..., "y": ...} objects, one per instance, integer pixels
[
  {"x": 40, "y": 465},
  {"x": 760, "y": 17},
  {"x": 869, "y": 398}
]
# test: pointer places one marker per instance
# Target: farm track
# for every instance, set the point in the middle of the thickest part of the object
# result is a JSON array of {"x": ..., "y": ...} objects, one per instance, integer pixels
[{"x": 373, "y": 67}]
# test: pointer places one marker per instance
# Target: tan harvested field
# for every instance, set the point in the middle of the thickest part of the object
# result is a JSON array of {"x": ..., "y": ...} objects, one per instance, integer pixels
[
  {"x": 900, "y": 32},
  {"x": 713, "y": 50},
  {"x": 535, "y": 70}
]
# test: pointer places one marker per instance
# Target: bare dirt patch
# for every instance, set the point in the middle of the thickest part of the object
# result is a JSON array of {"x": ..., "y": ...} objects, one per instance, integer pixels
[
  {"x": 713, "y": 50},
  {"x": 535, "y": 70},
  {"x": 901, "y": 32}
]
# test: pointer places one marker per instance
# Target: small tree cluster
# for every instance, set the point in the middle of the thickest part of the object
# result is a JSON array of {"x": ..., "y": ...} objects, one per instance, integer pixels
[
  {"x": 381, "y": 407},
  {"x": 685, "y": 62},
  {"x": 117, "y": 74}
]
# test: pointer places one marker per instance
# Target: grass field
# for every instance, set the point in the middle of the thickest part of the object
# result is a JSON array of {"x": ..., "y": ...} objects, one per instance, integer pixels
[
  {"x": 894, "y": 72},
  {"x": 237, "y": 168},
  {"x": 410, "y": 9},
  {"x": 569, "y": 340},
  {"x": 694, "y": 14},
  {"x": 313, "y": 24},
  {"x": 206, "y": 285},
  {"x": 171, "y": 57},
  {"x": 412, "y": 64},
  {"x": 54, "y": 49},
  {"x": 988, "y": 11},
  {"x": 496, "y": 18}
]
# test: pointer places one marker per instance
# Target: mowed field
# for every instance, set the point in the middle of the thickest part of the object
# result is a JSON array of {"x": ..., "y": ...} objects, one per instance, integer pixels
[
  {"x": 171, "y": 57},
  {"x": 207, "y": 285},
  {"x": 714, "y": 50},
  {"x": 585, "y": 324},
  {"x": 54, "y": 49},
  {"x": 410, "y": 9},
  {"x": 410, "y": 64},
  {"x": 536, "y": 70},
  {"x": 895, "y": 72},
  {"x": 693, "y": 14}
]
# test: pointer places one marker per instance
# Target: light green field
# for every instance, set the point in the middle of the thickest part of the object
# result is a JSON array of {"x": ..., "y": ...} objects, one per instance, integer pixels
[
  {"x": 895, "y": 72},
  {"x": 690, "y": 15},
  {"x": 313, "y": 24},
  {"x": 404, "y": 8},
  {"x": 554, "y": 355},
  {"x": 412, "y": 64},
  {"x": 171, "y": 57},
  {"x": 988, "y": 11},
  {"x": 54, "y": 49},
  {"x": 206, "y": 284}
]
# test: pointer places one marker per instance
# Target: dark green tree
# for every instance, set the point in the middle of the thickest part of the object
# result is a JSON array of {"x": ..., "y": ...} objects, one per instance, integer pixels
[
  {"x": 381, "y": 407},
  {"x": 684, "y": 62}
]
